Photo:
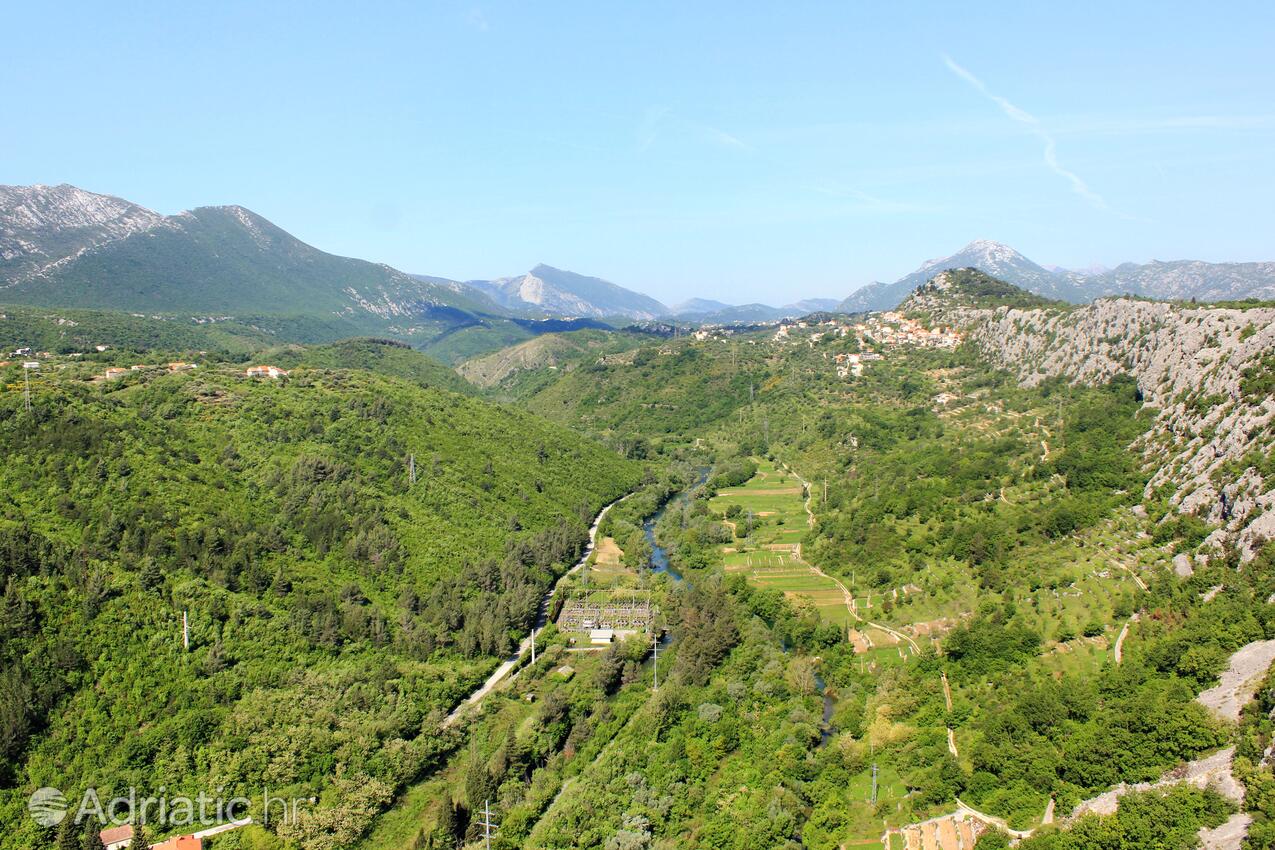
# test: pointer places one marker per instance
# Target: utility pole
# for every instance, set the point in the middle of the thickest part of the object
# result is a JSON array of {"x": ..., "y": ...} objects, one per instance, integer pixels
[
  {"x": 874, "y": 783},
  {"x": 655, "y": 649},
  {"x": 185, "y": 632},
  {"x": 488, "y": 824},
  {"x": 411, "y": 468},
  {"x": 825, "y": 490},
  {"x": 26, "y": 377},
  {"x": 533, "y": 644}
]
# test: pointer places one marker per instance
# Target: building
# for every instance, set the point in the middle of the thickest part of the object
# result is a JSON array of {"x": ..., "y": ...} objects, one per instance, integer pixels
[
  {"x": 265, "y": 372},
  {"x": 117, "y": 836},
  {"x": 601, "y": 637},
  {"x": 114, "y": 373},
  {"x": 180, "y": 366}
]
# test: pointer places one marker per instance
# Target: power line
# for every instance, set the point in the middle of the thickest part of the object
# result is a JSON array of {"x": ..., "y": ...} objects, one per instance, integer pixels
[{"x": 487, "y": 824}]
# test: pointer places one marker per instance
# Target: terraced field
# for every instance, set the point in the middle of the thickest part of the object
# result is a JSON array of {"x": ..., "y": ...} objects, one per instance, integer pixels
[{"x": 770, "y": 556}]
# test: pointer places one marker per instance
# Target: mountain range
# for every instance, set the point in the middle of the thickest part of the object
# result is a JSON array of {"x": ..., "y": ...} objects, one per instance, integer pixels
[
  {"x": 1164, "y": 281},
  {"x": 62, "y": 246},
  {"x": 555, "y": 292}
]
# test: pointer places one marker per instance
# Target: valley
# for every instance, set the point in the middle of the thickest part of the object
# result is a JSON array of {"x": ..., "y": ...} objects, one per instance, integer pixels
[
  {"x": 986, "y": 568},
  {"x": 660, "y": 426}
]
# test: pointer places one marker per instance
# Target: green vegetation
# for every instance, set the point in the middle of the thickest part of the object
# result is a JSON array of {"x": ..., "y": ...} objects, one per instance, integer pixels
[
  {"x": 383, "y": 356},
  {"x": 1154, "y": 820},
  {"x": 1258, "y": 381},
  {"x": 946, "y": 613},
  {"x": 62, "y": 331},
  {"x": 336, "y": 609},
  {"x": 982, "y": 290}
]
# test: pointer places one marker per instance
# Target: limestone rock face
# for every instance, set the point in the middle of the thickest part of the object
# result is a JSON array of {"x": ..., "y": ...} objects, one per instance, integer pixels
[{"x": 1189, "y": 360}]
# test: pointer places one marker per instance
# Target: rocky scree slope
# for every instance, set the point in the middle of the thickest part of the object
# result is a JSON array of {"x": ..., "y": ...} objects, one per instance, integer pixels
[
  {"x": 1199, "y": 366},
  {"x": 44, "y": 226}
]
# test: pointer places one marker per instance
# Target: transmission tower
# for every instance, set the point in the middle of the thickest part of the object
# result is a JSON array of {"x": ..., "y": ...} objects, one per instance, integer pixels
[
  {"x": 655, "y": 651},
  {"x": 487, "y": 824}
]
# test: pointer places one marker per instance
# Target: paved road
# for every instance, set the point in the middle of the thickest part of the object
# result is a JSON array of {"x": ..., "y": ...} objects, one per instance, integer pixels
[{"x": 525, "y": 646}]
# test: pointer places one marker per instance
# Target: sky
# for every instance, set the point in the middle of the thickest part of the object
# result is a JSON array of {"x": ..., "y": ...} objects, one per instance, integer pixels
[{"x": 742, "y": 151}]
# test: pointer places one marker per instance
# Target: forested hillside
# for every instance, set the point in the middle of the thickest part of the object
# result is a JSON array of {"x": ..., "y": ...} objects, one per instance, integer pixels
[
  {"x": 337, "y": 608},
  {"x": 900, "y": 594},
  {"x": 383, "y": 356},
  {"x": 61, "y": 331},
  {"x": 985, "y": 604}
]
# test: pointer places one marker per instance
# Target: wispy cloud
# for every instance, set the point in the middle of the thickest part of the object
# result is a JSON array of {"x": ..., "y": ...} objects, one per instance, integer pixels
[
  {"x": 656, "y": 119},
  {"x": 649, "y": 130},
  {"x": 1022, "y": 116},
  {"x": 723, "y": 138}
]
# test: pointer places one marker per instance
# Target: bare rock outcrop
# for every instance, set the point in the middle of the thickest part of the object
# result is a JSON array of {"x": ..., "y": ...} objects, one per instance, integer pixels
[{"x": 1208, "y": 440}]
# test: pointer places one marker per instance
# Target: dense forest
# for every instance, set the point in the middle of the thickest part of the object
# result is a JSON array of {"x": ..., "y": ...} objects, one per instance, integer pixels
[{"x": 335, "y": 605}]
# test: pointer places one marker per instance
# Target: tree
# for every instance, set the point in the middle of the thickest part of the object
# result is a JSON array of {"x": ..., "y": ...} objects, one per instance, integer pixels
[
  {"x": 92, "y": 836},
  {"x": 479, "y": 785},
  {"x": 140, "y": 840},
  {"x": 151, "y": 577},
  {"x": 449, "y": 827},
  {"x": 67, "y": 835}
]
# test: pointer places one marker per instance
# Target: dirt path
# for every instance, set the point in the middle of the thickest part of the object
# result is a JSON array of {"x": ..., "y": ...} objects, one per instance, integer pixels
[
  {"x": 845, "y": 591},
  {"x": 990, "y": 820},
  {"x": 1239, "y": 681},
  {"x": 1137, "y": 578},
  {"x": 525, "y": 646},
  {"x": 1124, "y": 633},
  {"x": 1044, "y": 445},
  {"x": 1227, "y": 699}
]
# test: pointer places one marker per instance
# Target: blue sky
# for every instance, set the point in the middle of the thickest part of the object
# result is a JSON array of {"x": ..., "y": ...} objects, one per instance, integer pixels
[{"x": 741, "y": 151}]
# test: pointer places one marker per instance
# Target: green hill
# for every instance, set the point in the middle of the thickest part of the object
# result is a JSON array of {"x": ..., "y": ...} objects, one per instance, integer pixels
[
  {"x": 514, "y": 370},
  {"x": 334, "y": 606},
  {"x": 64, "y": 331},
  {"x": 971, "y": 287},
  {"x": 383, "y": 356}
]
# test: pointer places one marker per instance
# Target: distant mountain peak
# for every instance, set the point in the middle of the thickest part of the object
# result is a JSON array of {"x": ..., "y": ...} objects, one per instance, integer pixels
[
  {"x": 994, "y": 258},
  {"x": 42, "y": 227},
  {"x": 971, "y": 286},
  {"x": 1179, "y": 279},
  {"x": 553, "y": 291},
  {"x": 990, "y": 246}
]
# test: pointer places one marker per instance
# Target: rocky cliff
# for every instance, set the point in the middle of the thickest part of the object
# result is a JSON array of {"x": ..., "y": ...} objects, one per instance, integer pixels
[{"x": 1199, "y": 367}]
